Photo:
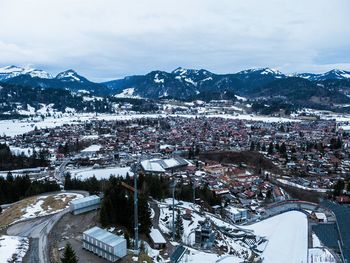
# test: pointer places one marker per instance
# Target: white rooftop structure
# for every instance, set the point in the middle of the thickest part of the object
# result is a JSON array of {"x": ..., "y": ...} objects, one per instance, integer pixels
[
  {"x": 104, "y": 244},
  {"x": 92, "y": 148},
  {"x": 162, "y": 165},
  {"x": 157, "y": 237}
]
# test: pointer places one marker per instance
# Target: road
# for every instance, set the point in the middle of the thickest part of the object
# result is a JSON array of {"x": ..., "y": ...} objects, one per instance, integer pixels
[
  {"x": 155, "y": 223},
  {"x": 38, "y": 230},
  {"x": 59, "y": 173}
]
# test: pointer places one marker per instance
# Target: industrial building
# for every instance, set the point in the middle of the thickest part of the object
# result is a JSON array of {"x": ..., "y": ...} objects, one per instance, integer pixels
[
  {"x": 159, "y": 166},
  {"x": 104, "y": 244},
  {"x": 85, "y": 204}
]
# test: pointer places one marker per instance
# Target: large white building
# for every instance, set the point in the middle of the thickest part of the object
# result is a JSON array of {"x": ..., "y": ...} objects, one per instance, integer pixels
[
  {"x": 104, "y": 244},
  {"x": 163, "y": 165},
  {"x": 236, "y": 214}
]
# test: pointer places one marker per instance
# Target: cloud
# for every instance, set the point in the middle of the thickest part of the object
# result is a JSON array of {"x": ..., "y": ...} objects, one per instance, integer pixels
[{"x": 111, "y": 38}]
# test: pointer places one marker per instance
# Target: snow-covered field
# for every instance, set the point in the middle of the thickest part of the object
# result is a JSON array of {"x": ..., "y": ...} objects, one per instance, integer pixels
[
  {"x": 17, "y": 127},
  {"x": 287, "y": 235},
  {"x": 13, "y": 248},
  {"x": 100, "y": 173}
]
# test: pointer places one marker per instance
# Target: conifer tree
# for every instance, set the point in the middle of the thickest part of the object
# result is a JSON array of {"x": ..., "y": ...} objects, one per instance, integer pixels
[
  {"x": 69, "y": 255},
  {"x": 179, "y": 226}
]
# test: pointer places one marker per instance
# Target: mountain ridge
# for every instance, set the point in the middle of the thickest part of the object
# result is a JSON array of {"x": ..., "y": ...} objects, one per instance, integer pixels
[{"x": 192, "y": 84}]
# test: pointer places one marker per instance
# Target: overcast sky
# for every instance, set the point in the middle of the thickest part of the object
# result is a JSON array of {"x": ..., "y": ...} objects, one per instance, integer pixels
[{"x": 106, "y": 39}]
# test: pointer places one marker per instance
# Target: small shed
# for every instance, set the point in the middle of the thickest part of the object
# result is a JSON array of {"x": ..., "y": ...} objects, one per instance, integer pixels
[{"x": 157, "y": 239}]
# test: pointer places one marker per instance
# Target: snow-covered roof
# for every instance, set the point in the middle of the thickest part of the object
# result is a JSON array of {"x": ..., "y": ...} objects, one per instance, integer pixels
[
  {"x": 234, "y": 210},
  {"x": 92, "y": 148},
  {"x": 161, "y": 165},
  {"x": 157, "y": 237}
]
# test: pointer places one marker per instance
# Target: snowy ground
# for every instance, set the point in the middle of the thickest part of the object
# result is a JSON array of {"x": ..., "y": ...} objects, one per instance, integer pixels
[
  {"x": 288, "y": 237},
  {"x": 100, "y": 173},
  {"x": 203, "y": 257},
  {"x": 17, "y": 127},
  {"x": 230, "y": 245},
  {"x": 13, "y": 248},
  {"x": 286, "y": 182}
]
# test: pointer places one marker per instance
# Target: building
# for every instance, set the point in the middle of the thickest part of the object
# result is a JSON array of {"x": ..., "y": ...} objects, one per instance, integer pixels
[
  {"x": 236, "y": 214},
  {"x": 91, "y": 151},
  {"x": 157, "y": 239},
  {"x": 204, "y": 234},
  {"x": 85, "y": 204},
  {"x": 159, "y": 166},
  {"x": 104, "y": 244}
]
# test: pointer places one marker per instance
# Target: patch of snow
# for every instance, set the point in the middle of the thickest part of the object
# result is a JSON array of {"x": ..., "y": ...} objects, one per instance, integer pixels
[
  {"x": 157, "y": 79},
  {"x": 206, "y": 79},
  {"x": 35, "y": 210},
  {"x": 127, "y": 93},
  {"x": 320, "y": 255},
  {"x": 316, "y": 241},
  {"x": 240, "y": 98},
  {"x": 13, "y": 248},
  {"x": 188, "y": 80}
]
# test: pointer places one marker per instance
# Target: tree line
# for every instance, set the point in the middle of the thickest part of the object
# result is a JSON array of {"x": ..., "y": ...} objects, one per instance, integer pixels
[
  {"x": 9, "y": 161},
  {"x": 13, "y": 189}
]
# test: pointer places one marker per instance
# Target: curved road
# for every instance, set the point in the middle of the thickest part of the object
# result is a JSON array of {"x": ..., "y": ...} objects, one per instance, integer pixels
[{"x": 38, "y": 230}]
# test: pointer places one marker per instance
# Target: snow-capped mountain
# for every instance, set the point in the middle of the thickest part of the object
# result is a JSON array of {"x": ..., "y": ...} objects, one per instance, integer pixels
[
  {"x": 262, "y": 71},
  {"x": 185, "y": 83},
  {"x": 14, "y": 71},
  {"x": 68, "y": 79},
  {"x": 181, "y": 83},
  {"x": 332, "y": 74},
  {"x": 70, "y": 75}
]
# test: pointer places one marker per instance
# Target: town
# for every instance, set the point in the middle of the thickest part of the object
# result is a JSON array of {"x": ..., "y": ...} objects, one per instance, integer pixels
[{"x": 211, "y": 187}]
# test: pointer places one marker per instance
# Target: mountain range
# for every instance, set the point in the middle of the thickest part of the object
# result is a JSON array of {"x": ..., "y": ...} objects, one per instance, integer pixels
[{"x": 332, "y": 87}]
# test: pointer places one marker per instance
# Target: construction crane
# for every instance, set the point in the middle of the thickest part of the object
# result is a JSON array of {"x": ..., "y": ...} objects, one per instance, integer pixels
[{"x": 136, "y": 221}]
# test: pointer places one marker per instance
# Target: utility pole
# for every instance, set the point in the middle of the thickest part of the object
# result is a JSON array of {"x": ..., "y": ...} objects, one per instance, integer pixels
[
  {"x": 194, "y": 191},
  {"x": 136, "y": 221},
  {"x": 173, "y": 187}
]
